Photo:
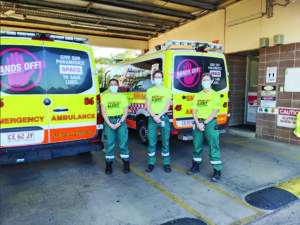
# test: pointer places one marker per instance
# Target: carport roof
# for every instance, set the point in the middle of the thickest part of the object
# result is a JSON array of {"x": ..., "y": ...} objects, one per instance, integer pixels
[{"x": 130, "y": 19}]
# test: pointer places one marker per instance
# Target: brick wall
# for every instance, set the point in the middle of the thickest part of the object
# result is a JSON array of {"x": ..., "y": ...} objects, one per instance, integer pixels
[
  {"x": 237, "y": 80},
  {"x": 282, "y": 57}
]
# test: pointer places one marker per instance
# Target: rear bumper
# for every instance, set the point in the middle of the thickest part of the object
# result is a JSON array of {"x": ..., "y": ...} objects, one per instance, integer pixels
[{"x": 48, "y": 151}]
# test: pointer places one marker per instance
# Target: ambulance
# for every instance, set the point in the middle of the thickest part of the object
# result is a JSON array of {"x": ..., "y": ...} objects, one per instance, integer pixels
[
  {"x": 182, "y": 63},
  {"x": 49, "y": 97}
]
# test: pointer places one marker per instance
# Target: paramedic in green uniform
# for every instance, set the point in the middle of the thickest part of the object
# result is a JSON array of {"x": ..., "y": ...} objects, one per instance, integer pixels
[
  {"x": 158, "y": 100},
  {"x": 114, "y": 107},
  {"x": 205, "y": 106}
]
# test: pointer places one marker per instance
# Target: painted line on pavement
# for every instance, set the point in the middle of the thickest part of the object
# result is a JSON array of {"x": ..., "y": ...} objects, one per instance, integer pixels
[
  {"x": 170, "y": 195},
  {"x": 247, "y": 219},
  {"x": 245, "y": 141},
  {"x": 261, "y": 149},
  {"x": 292, "y": 186}
]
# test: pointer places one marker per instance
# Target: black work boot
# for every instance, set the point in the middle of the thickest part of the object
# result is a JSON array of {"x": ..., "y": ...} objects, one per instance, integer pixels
[
  {"x": 126, "y": 166},
  {"x": 194, "y": 169},
  {"x": 167, "y": 168},
  {"x": 216, "y": 176},
  {"x": 108, "y": 168},
  {"x": 150, "y": 168}
]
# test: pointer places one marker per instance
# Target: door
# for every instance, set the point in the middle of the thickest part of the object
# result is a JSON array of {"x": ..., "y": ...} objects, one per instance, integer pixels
[
  {"x": 71, "y": 91},
  {"x": 251, "y": 90},
  {"x": 23, "y": 112}
]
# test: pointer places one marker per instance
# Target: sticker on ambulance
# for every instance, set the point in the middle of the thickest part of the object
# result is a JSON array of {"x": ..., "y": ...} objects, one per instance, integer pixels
[{"x": 22, "y": 138}]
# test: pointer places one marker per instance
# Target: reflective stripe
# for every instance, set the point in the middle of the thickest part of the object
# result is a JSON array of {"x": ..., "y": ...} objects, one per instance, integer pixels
[
  {"x": 124, "y": 156},
  {"x": 109, "y": 157},
  {"x": 197, "y": 159},
  {"x": 215, "y": 162},
  {"x": 165, "y": 154},
  {"x": 151, "y": 154}
]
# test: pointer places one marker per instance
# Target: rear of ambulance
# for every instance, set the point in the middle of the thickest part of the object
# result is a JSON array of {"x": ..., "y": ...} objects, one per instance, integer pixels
[{"x": 49, "y": 98}]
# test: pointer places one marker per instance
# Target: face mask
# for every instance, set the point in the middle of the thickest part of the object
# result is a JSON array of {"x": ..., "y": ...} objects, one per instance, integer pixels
[
  {"x": 158, "y": 81},
  {"x": 113, "y": 88},
  {"x": 206, "y": 84}
]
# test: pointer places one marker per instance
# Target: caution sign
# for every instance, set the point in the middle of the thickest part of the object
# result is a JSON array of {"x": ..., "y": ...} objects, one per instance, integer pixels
[{"x": 287, "y": 117}]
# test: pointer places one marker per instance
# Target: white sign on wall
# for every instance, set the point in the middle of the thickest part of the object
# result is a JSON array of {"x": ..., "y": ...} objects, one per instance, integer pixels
[
  {"x": 292, "y": 80},
  {"x": 271, "y": 74},
  {"x": 287, "y": 117}
]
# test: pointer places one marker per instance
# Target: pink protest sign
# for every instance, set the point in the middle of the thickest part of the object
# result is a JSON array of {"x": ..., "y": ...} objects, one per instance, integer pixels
[{"x": 18, "y": 70}]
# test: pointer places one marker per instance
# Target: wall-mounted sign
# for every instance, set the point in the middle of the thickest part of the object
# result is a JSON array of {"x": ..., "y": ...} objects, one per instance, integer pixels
[
  {"x": 287, "y": 117},
  {"x": 271, "y": 74},
  {"x": 252, "y": 105},
  {"x": 268, "y": 101},
  {"x": 292, "y": 80},
  {"x": 267, "y": 110}
]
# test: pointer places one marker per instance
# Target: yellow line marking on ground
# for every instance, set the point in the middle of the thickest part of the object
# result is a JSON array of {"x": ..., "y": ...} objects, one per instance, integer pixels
[
  {"x": 245, "y": 141},
  {"x": 170, "y": 195},
  {"x": 248, "y": 219},
  {"x": 292, "y": 186},
  {"x": 261, "y": 149},
  {"x": 207, "y": 183}
]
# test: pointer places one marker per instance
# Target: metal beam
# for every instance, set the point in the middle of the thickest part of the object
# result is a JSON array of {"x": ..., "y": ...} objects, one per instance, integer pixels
[
  {"x": 145, "y": 8},
  {"x": 97, "y": 12},
  {"x": 194, "y": 3}
]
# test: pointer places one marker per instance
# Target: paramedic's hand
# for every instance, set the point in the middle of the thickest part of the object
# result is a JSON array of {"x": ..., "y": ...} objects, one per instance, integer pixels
[
  {"x": 117, "y": 125},
  {"x": 112, "y": 126},
  {"x": 157, "y": 119},
  {"x": 201, "y": 126}
]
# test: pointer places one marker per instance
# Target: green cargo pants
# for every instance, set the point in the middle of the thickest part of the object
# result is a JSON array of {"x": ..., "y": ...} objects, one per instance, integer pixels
[
  {"x": 212, "y": 136},
  {"x": 122, "y": 135},
  {"x": 152, "y": 137}
]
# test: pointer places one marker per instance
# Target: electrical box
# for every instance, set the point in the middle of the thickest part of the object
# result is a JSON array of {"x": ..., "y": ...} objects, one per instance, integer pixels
[{"x": 264, "y": 42}]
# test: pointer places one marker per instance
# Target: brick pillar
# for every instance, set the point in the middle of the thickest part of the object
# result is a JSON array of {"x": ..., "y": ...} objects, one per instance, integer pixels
[
  {"x": 237, "y": 82},
  {"x": 282, "y": 57}
]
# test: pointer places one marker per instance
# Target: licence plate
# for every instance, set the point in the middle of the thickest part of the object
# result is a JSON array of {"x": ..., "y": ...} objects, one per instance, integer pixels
[
  {"x": 22, "y": 138},
  {"x": 184, "y": 123}
]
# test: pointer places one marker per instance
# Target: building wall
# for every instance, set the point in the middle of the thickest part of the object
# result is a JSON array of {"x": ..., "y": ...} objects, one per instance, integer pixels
[
  {"x": 282, "y": 57},
  {"x": 237, "y": 66}
]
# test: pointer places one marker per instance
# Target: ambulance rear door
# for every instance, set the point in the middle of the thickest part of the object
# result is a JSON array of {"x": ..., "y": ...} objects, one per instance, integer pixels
[
  {"x": 23, "y": 108},
  {"x": 188, "y": 67},
  {"x": 71, "y": 92}
]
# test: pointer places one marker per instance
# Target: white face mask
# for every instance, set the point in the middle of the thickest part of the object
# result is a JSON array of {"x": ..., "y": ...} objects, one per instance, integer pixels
[
  {"x": 158, "y": 81},
  {"x": 113, "y": 88},
  {"x": 206, "y": 84}
]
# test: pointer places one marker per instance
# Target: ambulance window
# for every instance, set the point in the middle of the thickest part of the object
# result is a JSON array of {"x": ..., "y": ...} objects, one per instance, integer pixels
[
  {"x": 139, "y": 86},
  {"x": 143, "y": 69},
  {"x": 216, "y": 67},
  {"x": 68, "y": 71},
  {"x": 22, "y": 70},
  {"x": 148, "y": 84}
]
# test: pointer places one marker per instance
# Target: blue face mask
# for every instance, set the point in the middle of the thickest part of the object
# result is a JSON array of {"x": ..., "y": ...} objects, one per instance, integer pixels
[
  {"x": 158, "y": 81},
  {"x": 206, "y": 84},
  {"x": 113, "y": 88}
]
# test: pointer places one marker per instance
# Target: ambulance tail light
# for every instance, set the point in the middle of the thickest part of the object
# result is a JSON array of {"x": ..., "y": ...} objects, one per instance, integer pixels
[
  {"x": 170, "y": 113},
  {"x": 174, "y": 132},
  {"x": 99, "y": 121}
]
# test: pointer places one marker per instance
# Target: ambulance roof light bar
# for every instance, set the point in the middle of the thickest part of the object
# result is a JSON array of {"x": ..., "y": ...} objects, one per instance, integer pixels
[
  {"x": 43, "y": 36},
  {"x": 198, "y": 45}
]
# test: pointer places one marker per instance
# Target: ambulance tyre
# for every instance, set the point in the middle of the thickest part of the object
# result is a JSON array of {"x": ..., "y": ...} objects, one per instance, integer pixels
[{"x": 142, "y": 130}]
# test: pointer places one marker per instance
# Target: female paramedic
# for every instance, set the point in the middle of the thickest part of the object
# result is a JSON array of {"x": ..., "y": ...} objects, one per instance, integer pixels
[
  {"x": 114, "y": 107},
  {"x": 205, "y": 106},
  {"x": 158, "y": 100}
]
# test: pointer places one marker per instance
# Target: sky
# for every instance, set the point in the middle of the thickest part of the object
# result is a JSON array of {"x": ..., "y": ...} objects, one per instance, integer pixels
[{"x": 106, "y": 52}]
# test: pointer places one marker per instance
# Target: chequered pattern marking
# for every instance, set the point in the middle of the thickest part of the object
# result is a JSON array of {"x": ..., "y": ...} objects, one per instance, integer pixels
[{"x": 134, "y": 107}]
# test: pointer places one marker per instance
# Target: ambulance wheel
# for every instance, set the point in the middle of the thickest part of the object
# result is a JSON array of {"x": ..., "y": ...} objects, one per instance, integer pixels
[{"x": 143, "y": 131}]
